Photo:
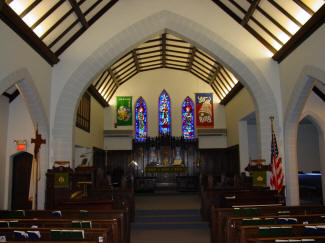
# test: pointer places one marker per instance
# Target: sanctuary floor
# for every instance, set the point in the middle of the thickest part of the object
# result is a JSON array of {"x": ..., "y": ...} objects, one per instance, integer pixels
[{"x": 170, "y": 217}]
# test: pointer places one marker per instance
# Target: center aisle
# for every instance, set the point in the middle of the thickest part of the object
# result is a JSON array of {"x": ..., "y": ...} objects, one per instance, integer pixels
[{"x": 169, "y": 217}]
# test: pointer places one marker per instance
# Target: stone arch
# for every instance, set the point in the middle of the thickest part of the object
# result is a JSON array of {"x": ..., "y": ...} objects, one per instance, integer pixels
[
  {"x": 309, "y": 75},
  {"x": 24, "y": 80},
  {"x": 228, "y": 55}
]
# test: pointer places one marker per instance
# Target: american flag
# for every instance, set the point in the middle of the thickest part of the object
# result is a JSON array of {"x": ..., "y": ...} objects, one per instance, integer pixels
[{"x": 277, "y": 177}]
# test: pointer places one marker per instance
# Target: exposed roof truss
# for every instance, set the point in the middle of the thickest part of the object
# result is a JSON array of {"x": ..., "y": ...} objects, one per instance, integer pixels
[{"x": 167, "y": 51}]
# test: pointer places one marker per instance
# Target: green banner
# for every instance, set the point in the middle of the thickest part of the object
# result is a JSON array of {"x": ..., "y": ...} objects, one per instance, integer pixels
[
  {"x": 259, "y": 178},
  {"x": 61, "y": 180},
  {"x": 124, "y": 110}
]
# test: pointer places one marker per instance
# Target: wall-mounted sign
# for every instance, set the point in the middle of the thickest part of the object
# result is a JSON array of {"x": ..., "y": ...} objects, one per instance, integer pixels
[{"x": 21, "y": 145}]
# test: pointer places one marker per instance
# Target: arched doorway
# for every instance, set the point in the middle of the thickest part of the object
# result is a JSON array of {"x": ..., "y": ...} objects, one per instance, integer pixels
[
  {"x": 309, "y": 166},
  {"x": 22, "y": 164}
]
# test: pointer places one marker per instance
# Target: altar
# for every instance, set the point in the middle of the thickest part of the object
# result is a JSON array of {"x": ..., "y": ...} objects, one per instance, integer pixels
[
  {"x": 165, "y": 169},
  {"x": 164, "y": 159}
]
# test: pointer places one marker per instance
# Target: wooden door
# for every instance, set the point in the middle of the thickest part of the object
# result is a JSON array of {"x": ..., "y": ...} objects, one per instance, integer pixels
[{"x": 22, "y": 165}]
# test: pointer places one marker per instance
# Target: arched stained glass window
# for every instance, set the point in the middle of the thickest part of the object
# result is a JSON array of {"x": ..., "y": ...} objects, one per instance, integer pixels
[
  {"x": 141, "y": 120},
  {"x": 188, "y": 118},
  {"x": 164, "y": 113}
]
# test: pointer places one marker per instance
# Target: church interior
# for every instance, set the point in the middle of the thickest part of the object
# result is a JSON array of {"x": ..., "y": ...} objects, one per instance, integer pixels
[{"x": 162, "y": 121}]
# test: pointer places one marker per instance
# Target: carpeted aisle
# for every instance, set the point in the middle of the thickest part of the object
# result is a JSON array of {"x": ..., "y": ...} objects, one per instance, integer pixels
[{"x": 168, "y": 218}]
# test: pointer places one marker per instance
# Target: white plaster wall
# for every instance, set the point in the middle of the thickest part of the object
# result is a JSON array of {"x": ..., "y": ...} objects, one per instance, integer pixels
[
  {"x": 16, "y": 54},
  {"x": 4, "y": 111},
  {"x": 239, "y": 107},
  {"x": 308, "y": 148},
  {"x": 252, "y": 142},
  {"x": 238, "y": 44},
  {"x": 118, "y": 143},
  {"x": 94, "y": 138},
  {"x": 292, "y": 69},
  {"x": 20, "y": 126}
]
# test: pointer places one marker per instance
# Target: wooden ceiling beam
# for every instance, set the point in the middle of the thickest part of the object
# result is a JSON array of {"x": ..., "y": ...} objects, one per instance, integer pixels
[
  {"x": 113, "y": 77},
  {"x": 191, "y": 58},
  {"x": 250, "y": 12},
  {"x": 106, "y": 73},
  {"x": 29, "y": 8},
  {"x": 108, "y": 87},
  {"x": 216, "y": 91},
  {"x": 287, "y": 14},
  {"x": 235, "y": 90},
  {"x": 192, "y": 71},
  {"x": 127, "y": 77},
  {"x": 20, "y": 27},
  {"x": 301, "y": 35},
  {"x": 163, "y": 49},
  {"x": 136, "y": 60},
  {"x": 48, "y": 13},
  {"x": 267, "y": 31},
  {"x": 276, "y": 23},
  {"x": 81, "y": 31},
  {"x": 175, "y": 68},
  {"x": 93, "y": 91},
  {"x": 79, "y": 13},
  {"x": 213, "y": 74},
  {"x": 221, "y": 85},
  {"x": 304, "y": 6},
  {"x": 12, "y": 96},
  {"x": 225, "y": 79},
  {"x": 319, "y": 93},
  {"x": 247, "y": 27},
  {"x": 107, "y": 84}
]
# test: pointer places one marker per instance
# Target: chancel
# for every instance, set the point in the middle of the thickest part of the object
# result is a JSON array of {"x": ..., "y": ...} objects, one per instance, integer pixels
[{"x": 164, "y": 121}]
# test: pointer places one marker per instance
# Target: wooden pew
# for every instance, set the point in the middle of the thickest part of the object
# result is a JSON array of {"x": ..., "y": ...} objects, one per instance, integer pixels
[
  {"x": 219, "y": 216},
  {"x": 34, "y": 241},
  {"x": 103, "y": 235},
  {"x": 121, "y": 215},
  {"x": 235, "y": 224},
  {"x": 318, "y": 239},
  {"x": 228, "y": 197},
  {"x": 247, "y": 233},
  {"x": 68, "y": 223}
]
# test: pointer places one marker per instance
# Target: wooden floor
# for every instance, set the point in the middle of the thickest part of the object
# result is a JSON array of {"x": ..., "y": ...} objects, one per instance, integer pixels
[{"x": 169, "y": 217}]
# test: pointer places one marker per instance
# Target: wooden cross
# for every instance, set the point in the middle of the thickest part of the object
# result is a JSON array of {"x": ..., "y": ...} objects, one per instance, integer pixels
[{"x": 38, "y": 141}]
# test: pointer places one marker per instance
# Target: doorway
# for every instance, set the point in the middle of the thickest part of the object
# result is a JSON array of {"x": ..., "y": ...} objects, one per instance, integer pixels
[{"x": 21, "y": 169}]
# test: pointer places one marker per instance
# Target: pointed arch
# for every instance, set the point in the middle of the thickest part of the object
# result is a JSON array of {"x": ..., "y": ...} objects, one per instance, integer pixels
[
  {"x": 164, "y": 113},
  {"x": 141, "y": 125},
  {"x": 188, "y": 128}
]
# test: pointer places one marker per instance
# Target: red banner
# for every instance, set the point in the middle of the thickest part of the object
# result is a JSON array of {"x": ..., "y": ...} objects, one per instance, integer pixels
[{"x": 204, "y": 110}]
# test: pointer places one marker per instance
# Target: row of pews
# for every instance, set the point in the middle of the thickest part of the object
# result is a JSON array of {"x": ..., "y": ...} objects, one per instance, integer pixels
[
  {"x": 247, "y": 214},
  {"x": 105, "y": 226}
]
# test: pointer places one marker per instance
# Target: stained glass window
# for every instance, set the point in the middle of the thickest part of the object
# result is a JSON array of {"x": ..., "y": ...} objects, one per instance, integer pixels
[
  {"x": 164, "y": 113},
  {"x": 188, "y": 118},
  {"x": 140, "y": 120}
]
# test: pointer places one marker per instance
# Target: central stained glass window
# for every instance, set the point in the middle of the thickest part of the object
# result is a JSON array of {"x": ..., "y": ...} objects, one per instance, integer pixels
[
  {"x": 141, "y": 120},
  {"x": 188, "y": 118},
  {"x": 164, "y": 113}
]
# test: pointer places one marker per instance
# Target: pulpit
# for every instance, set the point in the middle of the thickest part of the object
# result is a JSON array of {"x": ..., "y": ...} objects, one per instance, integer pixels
[
  {"x": 258, "y": 169},
  {"x": 58, "y": 186}
]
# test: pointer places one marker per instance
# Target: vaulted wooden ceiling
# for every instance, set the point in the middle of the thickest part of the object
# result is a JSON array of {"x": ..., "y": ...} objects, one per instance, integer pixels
[
  {"x": 167, "y": 51},
  {"x": 51, "y": 26}
]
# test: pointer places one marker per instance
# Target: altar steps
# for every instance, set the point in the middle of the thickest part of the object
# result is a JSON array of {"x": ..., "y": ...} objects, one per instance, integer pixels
[{"x": 168, "y": 220}]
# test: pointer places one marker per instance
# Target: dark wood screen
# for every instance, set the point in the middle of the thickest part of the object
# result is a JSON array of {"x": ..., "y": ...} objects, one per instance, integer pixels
[
  {"x": 222, "y": 160},
  {"x": 83, "y": 113}
]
